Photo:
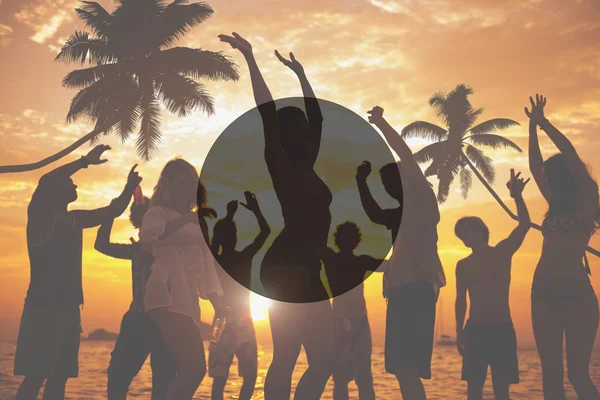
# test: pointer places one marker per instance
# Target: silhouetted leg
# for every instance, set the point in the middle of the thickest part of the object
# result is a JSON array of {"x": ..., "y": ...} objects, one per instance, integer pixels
[
  {"x": 218, "y": 388},
  {"x": 29, "y": 389},
  {"x": 319, "y": 344},
  {"x": 285, "y": 330},
  {"x": 475, "y": 390},
  {"x": 548, "y": 327},
  {"x": 130, "y": 352},
  {"x": 361, "y": 363},
  {"x": 580, "y": 331},
  {"x": 182, "y": 337},
  {"x": 340, "y": 390},
  {"x": 248, "y": 386},
  {"x": 501, "y": 390},
  {"x": 410, "y": 383},
  {"x": 55, "y": 388},
  {"x": 247, "y": 356},
  {"x": 161, "y": 362}
]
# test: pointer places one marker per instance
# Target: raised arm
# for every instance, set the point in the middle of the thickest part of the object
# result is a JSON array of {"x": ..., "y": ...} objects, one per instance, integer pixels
[
  {"x": 313, "y": 110},
  {"x": 91, "y": 158},
  {"x": 536, "y": 162},
  {"x": 262, "y": 94},
  {"x": 577, "y": 167},
  {"x": 512, "y": 243},
  {"x": 371, "y": 263},
  {"x": 410, "y": 168},
  {"x": 460, "y": 306},
  {"x": 115, "y": 250},
  {"x": 375, "y": 213},
  {"x": 252, "y": 205},
  {"x": 90, "y": 218}
]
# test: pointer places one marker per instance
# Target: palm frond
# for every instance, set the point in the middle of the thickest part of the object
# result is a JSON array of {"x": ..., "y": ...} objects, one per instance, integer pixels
[
  {"x": 177, "y": 19},
  {"x": 197, "y": 63},
  {"x": 182, "y": 95},
  {"x": 79, "y": 47},
  {"x": 438, "y": 101},
  {"x": 471, "y": 117},
  {"x": 85, "y": 77},
  {"x": 446, "y": 176},
  {"x": 492, "y": 125},
  {"x": 149, "y": 135},
  {"x": 482, "y": 162},
  {"x": 85, "y": 102},
  {"x": 466, "y": 181},
  {"x": 493, "y": 141},
  {"x": 429, "y": 152},
  {"x": 423, "y": 129},
  {"x": 95, "y": 17}
]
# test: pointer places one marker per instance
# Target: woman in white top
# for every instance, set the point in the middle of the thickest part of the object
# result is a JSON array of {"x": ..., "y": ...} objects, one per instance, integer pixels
[{"x": 183, "y": 269}]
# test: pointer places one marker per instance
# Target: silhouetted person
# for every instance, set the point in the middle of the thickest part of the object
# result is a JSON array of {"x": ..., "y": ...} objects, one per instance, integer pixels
[
  {"x": 290, "y": 271},
  {"x": 563, "y": 302},
  {"x": 49, "y": 333},
  {"x": 138, "y": 336},
  {"x": 346, "y": 274},
  {"x": 183, "y": 270},
  {"x": 392, "y": 183},
  {"x": 238, "y": 337},
  {"x": 489, "y": 338},
  {"x": 414, "y": 273}
]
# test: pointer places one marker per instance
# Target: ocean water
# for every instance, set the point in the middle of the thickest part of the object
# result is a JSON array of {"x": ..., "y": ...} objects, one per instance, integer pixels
[{"x": 445, "y": 384}]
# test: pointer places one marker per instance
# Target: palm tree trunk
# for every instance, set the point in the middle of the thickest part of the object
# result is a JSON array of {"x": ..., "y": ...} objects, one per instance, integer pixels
[
  {"x": 5, "y": 169},
  {"x": 505, "y": 207}
]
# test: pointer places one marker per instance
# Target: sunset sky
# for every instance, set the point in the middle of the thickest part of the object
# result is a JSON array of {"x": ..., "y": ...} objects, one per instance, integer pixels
[{"x": 357, "y": 53}]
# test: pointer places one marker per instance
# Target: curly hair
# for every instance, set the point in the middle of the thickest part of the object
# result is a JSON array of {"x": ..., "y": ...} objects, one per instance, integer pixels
[{"x": 347, "y": 233}]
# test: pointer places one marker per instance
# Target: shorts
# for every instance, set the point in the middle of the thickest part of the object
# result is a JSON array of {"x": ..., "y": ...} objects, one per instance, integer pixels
[
  {"x": 353, "y": 349},
  {"x": 139, "y": 336},
  {"x": 494, "y": 345},
  {"x": 48, "y": 342},
  {"x": 239, "y": 339},
  {"x": 409, "y": 328}
]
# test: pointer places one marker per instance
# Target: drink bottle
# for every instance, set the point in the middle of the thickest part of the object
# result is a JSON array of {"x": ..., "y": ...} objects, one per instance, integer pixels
[{"x": 218, "y": 327}]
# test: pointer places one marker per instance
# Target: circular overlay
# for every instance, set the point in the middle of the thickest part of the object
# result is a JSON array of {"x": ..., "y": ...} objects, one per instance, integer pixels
[{"x": 316, "y": 241}]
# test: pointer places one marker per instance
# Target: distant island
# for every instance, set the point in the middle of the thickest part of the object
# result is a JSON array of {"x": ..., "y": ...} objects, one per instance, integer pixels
[{"x": 103, "y": 334}]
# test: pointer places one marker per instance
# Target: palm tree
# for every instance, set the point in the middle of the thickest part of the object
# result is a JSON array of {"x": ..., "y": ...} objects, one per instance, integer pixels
[
  {"x": 134, "y": 67},
  {"x": 455, "y": 149}
]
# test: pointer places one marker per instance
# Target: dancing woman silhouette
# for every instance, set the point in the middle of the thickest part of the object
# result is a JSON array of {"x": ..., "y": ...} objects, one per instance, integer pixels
[
  {"x": 290, "y": 271},
  {"x": 563, "y": 301}
]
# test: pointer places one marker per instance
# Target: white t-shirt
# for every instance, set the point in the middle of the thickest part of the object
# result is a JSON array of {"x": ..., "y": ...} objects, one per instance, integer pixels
[{"x": 183, "y": 268}]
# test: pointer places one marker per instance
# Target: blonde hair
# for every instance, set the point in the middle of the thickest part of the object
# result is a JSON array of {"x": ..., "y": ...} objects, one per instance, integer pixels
[{"x": 161, "y": 195}]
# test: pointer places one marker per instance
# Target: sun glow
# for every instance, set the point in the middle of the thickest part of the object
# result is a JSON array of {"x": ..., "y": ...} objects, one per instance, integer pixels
[{"x": 259, "y": 306}]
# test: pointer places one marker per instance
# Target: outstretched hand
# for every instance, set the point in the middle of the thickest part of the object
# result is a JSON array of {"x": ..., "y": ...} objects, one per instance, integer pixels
[
  {"x": 207, "y": 212},
  {"x": 251, "y": 202},
  {"x": 516, "y": 184},
  {"x": 375, "y": 115},
  {"x": 237, "y": 42},
  {"x": 294, "y": 65},
  {"x": 363, "y": 170},
  {"x": 93, "y": 157},
  {"x": 537, "y": 108},
  {"x": 133, "y": 179}
]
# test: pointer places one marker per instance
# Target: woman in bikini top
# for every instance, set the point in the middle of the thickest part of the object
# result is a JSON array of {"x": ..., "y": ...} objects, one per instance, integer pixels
[{"x": 563, "y": 302}]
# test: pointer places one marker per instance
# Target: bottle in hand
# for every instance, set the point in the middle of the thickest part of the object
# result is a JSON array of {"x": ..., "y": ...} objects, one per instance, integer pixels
[{"x": 218, "y": 327}]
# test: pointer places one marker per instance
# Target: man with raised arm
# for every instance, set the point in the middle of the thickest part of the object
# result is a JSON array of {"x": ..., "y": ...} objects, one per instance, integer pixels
[
  {"x": 414, "y": 274},
  {"x": 49, "y": 333},
  {"x": 488, "y": 338}
]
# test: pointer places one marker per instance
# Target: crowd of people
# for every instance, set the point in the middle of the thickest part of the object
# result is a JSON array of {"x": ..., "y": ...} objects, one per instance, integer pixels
[{"x": 176, "y": 261}]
